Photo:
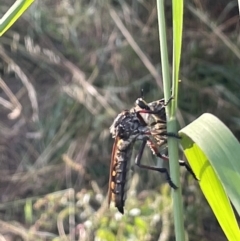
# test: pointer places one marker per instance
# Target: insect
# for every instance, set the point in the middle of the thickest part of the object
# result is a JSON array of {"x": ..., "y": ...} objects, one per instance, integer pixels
[
  {"x": 126, "y": 129},
  {"x": 156, "y": 118},
  {"x": 146, "y": 123}
]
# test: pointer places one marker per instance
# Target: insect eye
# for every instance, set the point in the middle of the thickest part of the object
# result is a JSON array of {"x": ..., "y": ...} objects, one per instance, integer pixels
[{"x": 142, "y": 104}]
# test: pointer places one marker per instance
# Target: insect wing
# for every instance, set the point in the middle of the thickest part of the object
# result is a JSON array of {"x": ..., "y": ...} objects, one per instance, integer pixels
[{"x": 112, "y": 172}]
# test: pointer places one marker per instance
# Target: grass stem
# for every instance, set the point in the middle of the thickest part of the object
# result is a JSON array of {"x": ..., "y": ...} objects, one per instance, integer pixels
[{"x": 171, "y": 121}]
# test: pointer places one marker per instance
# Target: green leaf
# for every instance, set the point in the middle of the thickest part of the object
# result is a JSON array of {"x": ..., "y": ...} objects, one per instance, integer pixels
[
  {"x": 12, "y": 15},
  {"x": 213, "y": 153},
  {"x": 105, "y": 234},
  {"x": 28, "y": 211},
  {"x": 141, "y": 224}
]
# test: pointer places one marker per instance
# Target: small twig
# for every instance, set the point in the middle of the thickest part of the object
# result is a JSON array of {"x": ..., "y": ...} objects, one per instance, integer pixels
[
  {"x": 15, "y": 106},
  {"x": 166, "y": 222},
  {"x": 216, "y": 29},
  {"x": 26, "y": 82},
  {"x": 14, "y": 229},
  {"x": 136, "y": 48}
]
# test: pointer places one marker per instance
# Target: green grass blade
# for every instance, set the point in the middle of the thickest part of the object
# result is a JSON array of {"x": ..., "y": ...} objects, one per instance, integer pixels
[
  {"x": 177, "y": 46},
  {"x": 177, "y": 9},
  {"x": 28, "y": 211},
  {"x": 171, "y": 109},
  {"x": 12, "y": 15},
  {"x": 164, "y": 51},
  {"x": 213, "y": 153},
  {"x": 239, "y": 7}
]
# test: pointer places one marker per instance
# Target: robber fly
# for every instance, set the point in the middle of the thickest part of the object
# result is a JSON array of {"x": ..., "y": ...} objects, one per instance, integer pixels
[
  {"x": 156, "y": 119},
  {"x": 126, "y": 129},
  {"x": 129, "y": 127}
]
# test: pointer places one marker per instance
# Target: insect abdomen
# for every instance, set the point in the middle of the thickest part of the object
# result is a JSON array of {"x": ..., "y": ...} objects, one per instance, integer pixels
[{"x": 120, "y": 174}]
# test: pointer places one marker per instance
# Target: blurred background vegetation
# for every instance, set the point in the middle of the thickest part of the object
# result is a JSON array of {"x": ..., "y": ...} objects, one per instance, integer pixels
[{"x": 67, "y": 69}]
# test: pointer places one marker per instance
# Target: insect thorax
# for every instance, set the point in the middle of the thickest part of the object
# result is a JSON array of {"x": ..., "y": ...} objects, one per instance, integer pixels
[{"x": 126, "y": 125}]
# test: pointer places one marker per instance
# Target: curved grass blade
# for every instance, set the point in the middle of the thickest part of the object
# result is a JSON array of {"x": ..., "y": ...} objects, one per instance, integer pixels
[
  {"x": 12, "y": 15},
  {"x": 213, "y": 153}
]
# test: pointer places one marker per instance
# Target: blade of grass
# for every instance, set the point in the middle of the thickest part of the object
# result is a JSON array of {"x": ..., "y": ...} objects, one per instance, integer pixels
[
  {"x": 239, "y": 7},
  {"x": 177, "y": 46},
  {"x": 12, "y": 15},
  {"x": 171, "y": 109}
]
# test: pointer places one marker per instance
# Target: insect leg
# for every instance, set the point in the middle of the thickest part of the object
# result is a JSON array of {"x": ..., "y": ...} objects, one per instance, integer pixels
[
  {"x": 181, "y": 163},
  {"x": 158, "y": 169},
  {"x": 171, "y": 134},
  {"x": 189, "y": 169},
  {"x": 162, "y": 132},
  {"x": 168, "y": 101},
  {"x": 166, "y": 158}
]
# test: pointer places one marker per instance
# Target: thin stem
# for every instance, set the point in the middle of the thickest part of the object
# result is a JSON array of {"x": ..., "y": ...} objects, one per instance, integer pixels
[
  {"x": 164, "y": 53},
  {"x": 171, "y": 126}
]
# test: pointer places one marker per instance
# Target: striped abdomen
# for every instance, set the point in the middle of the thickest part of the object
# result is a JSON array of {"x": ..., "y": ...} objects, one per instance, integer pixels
[{"x": 119, "y": 172}]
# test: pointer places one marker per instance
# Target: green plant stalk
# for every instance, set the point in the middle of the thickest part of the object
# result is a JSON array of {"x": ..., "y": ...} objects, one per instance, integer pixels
[
  {"x": 171, "y": 125},
  {"x": 14, "y": 12}
]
